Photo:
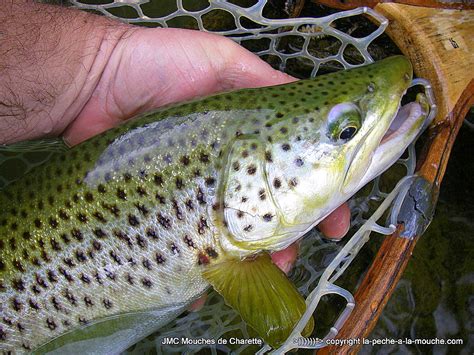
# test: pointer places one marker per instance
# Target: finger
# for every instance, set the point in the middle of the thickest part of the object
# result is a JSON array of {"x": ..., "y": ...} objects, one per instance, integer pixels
[
  {"x": 337, "y": 224},
  {"x": 155, "y": 67},
  {"x": 198, "y": 304},
  {"x": 285, "y": 258}
]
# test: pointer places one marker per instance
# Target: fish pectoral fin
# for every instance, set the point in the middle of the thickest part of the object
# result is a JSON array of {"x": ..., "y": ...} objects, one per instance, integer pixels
[{"x": 262, "y": 294}]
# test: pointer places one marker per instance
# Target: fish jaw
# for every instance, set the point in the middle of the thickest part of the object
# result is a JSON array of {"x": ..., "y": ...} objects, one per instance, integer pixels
[{"x": 407, "y": 126}]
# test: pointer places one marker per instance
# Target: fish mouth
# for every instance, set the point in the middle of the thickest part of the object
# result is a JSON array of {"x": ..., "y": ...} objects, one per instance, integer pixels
[
  {"x": 404, "y": 120},
  {"x": 407, "y": 124}
]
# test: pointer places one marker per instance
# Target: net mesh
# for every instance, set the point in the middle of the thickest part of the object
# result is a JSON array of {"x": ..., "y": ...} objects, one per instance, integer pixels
[{"x": 312, "y": 45}]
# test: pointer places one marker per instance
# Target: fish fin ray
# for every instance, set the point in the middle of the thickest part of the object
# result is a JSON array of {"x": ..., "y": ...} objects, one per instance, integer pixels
[{"x": 262, "y": 294}]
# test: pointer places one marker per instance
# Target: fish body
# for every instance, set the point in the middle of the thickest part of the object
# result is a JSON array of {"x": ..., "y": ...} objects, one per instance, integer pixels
[{"x": 111, "y": 239}]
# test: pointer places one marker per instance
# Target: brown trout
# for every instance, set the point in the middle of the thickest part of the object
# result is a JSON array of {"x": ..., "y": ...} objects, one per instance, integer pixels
[{"x": 113, "y": 238}]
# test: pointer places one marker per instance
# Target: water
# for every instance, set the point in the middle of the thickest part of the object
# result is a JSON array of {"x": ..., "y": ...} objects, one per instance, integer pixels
[{"x": 435, "y": 297}]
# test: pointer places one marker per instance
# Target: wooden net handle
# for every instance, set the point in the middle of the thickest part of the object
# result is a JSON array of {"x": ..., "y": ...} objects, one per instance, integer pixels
[{"x": 440, "y": 44}]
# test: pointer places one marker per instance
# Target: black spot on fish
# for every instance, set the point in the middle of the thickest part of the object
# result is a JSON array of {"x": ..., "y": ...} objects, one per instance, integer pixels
[
  {"x": 63, "y": 215},
  {"x": 115, "y": 257},
  {"x": 88, "y": 302},
  {"x": 160, "y": 259},
  {"x": 66, "y": 274},
  {"x": 51, "y": 324},
  {"x": 88, "y": 197},
  {"x": 236, "y": 166},
  {"x": 77, "y": 234},
  {"x": 210, "y": 181},
  {"x": 16, "y": 304},
  {"x": 52, "y": 276},
  {"x": 80, "y": 256},
  {"x": 101, "y": 188},
  {"x": 18, "y": 284},
  {"x": 70, "y": 297},
  {"x": 189, "y": 242},
  {"x": 251, "y": 169},
  {"x": 99, "y": 233},
  {"x": 267, "y": 217},
  {"x": 268, "y": 156},
  {"x": 141, "y": 191},
  {"x": 174, "y": 249},
  {"x": 202, "y": 225},
  {"x": 99, "y": 216},
  {"x": 110, "y": 275},
  {"x": 38, "y": 223},
  {"x": 133, "y": 220},
  {"x": 189, "y": 205},
  {"x": 121, "y": 194},
  {"x": 204, "y": 158},
  {"x": 82, "y": 217},
  {"x": 33, "y": 304},
  {"x": 160, "y": 199},
  {"x": 3, "y": 334},
  {"x": 200, "y": 197},
  {"x": 69, "y": 262},
  {"x": 299, "y": 162},
  {"x": 293, "y": 182},
  {"x": 142, "y": 209},
  {"x": 150, "y": 232},
  {"x": 26, "y": 235},
  {"x": 248, "y": 228},
  {"x": 211, "y": 253},
  {"x": 141, "y": 242},
  {"x": 185, "y": 160},
  {"x": 177, "y": 210},
  {"x": 146, "y": 264},
  {"x": 276, "y": 183},
  {"x": 165, "y": 222},
  {"x": 18, "y": 265},
  {"x": 123, "y": 237},
  {"x": 286, "y": 147},
  {"x": 57, "y": 306},
  {"x": 96, "y": 245},
  {"x": 147, "y": 282},
  {"x": 127, "y": 177},
  {"x": 85, "y": 279},
  {"x": 107, "y": 303}
]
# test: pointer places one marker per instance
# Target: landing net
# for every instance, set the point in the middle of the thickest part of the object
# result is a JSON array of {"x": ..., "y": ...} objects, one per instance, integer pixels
[{"x": 295, "y": 45}]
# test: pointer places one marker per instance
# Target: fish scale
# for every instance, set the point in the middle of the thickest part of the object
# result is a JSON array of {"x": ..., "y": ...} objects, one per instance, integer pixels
[{"x": 126, "y": 222}]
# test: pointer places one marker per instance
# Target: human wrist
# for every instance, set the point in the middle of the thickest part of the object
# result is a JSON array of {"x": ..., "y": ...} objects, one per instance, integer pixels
[{"x": 51, "y": 59}]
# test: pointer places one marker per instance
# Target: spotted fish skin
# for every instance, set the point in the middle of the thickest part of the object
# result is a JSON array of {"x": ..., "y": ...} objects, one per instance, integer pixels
[{"x": 127, "y": 220}]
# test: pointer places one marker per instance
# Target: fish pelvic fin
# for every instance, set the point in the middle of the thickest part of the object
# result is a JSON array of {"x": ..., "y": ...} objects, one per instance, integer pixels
[{"x": 262, "y": 294}]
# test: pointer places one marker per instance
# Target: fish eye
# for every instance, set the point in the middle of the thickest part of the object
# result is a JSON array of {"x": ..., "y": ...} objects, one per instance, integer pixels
[
  {"x": 344, "y": 121},
  {"x": 347, "y": 133}
]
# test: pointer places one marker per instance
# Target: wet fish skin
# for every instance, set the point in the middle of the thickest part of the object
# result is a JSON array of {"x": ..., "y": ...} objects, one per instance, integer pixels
[{"x": 124, "y": 223}]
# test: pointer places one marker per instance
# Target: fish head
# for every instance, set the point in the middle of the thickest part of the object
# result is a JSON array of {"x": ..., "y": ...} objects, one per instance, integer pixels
[{"x": 351, "y": 130}]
